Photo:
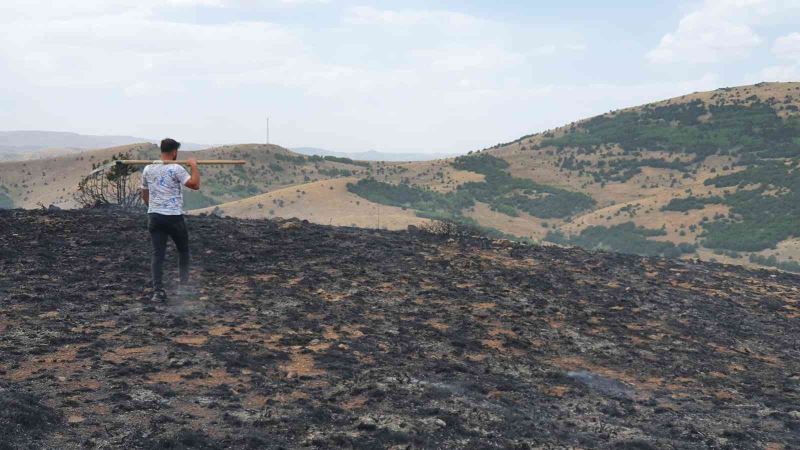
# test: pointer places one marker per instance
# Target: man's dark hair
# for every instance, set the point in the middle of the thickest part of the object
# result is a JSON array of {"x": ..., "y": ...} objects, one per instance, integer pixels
[{"x": 168, "y": 145}]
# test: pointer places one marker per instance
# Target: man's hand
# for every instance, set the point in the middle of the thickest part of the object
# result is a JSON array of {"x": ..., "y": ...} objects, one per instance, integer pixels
[{"x": 194, "y": 181}]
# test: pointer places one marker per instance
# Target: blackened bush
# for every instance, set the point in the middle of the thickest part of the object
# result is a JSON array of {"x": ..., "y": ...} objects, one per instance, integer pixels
[{"x": 451, "y": 229}]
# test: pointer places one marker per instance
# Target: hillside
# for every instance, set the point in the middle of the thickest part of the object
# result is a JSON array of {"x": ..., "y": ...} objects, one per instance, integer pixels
[
  {"x": 710, "y": 175},
  {"x": 331, "y": 202},
  {"x": 46, "y": 181},
  {"x": 308, "y": 336},
  {"x": 28, "y": 184},
  {"x": 714, "y": 171}
]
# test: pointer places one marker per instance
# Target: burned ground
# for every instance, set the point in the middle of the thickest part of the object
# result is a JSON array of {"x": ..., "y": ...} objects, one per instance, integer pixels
[{"x": 305, "y": 336}]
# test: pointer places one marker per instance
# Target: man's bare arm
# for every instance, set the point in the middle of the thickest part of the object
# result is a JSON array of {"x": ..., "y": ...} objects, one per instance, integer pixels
[
  {"x": 194, "y": 181},
  {"x": 146, "y": 196}
]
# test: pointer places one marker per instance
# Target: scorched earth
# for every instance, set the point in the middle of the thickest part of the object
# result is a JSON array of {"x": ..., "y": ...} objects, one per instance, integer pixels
[{"x": 306, "y": 336}]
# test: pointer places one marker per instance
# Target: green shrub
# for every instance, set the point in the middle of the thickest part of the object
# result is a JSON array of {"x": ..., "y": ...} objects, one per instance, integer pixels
[
  {"x": 766, "y": 213},
  {"x": 342, "y": 160},
  {"x": 689, "y": 203},
  {"x": 509, "y": 195},
  {"x": 772, "y": 261},
  {"x": 297, "y": 160},
  {"x": 751, "y": 132},
  {"x": 623, "y": 238},
  {"x": 403, "y": 195},
  {"x": 334, "y": 172}
]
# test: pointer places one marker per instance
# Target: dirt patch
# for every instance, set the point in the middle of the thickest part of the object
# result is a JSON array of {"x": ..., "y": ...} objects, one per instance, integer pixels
[
  {"x": 192, "y": 340},
  {"x": 301, "y": 365}
]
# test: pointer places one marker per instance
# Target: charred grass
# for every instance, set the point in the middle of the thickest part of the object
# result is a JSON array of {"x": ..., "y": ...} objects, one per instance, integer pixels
[{"x": 305, "y": 336}]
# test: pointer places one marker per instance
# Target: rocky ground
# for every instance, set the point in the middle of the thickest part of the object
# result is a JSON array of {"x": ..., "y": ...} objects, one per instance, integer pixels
[{"x": 306, "y": 336}]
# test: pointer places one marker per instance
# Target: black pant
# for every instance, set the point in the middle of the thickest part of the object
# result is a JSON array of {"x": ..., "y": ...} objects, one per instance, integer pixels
[{"x": 161, "y": 227}]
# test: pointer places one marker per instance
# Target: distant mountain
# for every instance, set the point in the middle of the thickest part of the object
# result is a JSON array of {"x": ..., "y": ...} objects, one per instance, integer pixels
[
  {"x": 31, "y": 144},
  {"x": 373, "y": 155}
]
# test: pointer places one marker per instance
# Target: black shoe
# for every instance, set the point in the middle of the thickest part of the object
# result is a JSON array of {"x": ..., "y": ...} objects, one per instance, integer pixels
[{"x": 159, "y": 296}]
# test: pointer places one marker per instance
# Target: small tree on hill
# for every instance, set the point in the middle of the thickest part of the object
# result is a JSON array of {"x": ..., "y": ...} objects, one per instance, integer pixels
[{"x": 110, "y": 184}]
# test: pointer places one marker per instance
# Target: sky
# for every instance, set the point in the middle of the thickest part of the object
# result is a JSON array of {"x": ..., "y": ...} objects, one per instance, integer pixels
[{"x": 446, "y": 76}]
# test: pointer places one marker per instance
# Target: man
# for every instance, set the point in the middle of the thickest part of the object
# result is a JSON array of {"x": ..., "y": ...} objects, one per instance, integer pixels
[{"x": 161, "y": 192}]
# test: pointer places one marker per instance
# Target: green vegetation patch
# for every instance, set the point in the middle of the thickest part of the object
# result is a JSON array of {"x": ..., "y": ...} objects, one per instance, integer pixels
[
  {"x": 334, "y": 172},
  {"x": 342, "y": 160},
  {"x": 624, "y": 238},
  {"x": 196, "y": 200},
  {"x": 425, "y": 203},
  {"x": 499, "y": 190},
  {"x": 691, "y": 202},
  {"x": 509, "y": 195},
  {"x": 679, "y": 128},
  {"x": 765, "y": 207},
  {"x": 432, "y": 203},
  {"x": 772, "y": 261},
  {"x": 297, "y": 160},
  {"x": 750, "y": 131},
  {"x": 482, "y": 163}
]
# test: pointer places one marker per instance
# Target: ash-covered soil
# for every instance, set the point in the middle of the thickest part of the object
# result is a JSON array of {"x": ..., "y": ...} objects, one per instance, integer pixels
[{"x": 306, "y": 336}]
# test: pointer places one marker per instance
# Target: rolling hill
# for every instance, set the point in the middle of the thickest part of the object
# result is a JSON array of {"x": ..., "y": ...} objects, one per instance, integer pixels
[
  {"x": 29, "y": 184},
  {"x": 710, "y": 175},
  {"x": 332, "y": 204}
]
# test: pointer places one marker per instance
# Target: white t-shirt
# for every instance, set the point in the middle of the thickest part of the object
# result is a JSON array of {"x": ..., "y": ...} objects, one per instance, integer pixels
[{"x": 164, "y": 181}]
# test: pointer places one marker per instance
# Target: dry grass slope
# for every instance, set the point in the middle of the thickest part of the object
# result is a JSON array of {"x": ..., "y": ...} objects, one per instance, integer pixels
[
  {"x": 316, "y": 190},
  {"x": 327, "y": 202}
]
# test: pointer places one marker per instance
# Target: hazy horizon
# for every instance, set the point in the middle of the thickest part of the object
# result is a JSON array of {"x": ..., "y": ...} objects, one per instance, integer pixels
[
  {"x": 36, "y": 140},
  {"x": 355, "y": 76}
]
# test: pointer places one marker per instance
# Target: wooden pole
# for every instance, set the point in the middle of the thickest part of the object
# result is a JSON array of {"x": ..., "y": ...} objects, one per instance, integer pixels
[{"x": 207, "y": 162}]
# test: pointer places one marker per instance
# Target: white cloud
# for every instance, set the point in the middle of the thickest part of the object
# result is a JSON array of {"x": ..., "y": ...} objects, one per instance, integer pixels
[
  {"x": 787, "y": 49},
  {"x": 304, "y": 2},
  {"x": 39, "y": 10},
  {"x": 720, "y": 30},
  {"x": 365, "y": 77},
  {"x": 459, "y": 59},
  {"x": 128, "y": 49},
  {"x": 246, "y": 3},
  {"x": 133, "y": 48},
  {"x": 368, "y": 15},
  {"x": 781, "y": 73},
  {"x": 702, "y": 37}
]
